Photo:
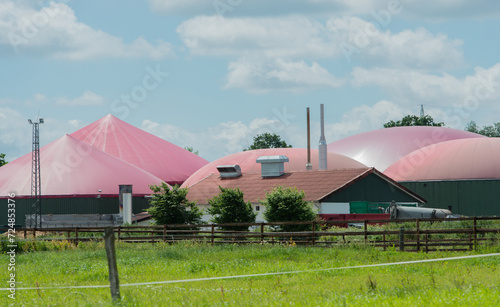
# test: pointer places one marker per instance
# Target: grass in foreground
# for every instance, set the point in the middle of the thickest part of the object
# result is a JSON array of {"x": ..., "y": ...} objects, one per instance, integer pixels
[{"x": 473, "y": 282}]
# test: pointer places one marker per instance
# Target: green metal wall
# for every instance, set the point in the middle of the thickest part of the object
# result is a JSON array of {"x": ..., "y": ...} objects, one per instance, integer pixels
[
  {"x": 467, "y": 197},
  {"x": 372, "y": 188},
  {"x": 77, "y": 205}
]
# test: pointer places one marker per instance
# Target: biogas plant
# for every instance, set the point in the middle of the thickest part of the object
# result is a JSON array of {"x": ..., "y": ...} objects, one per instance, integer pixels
[{"x": 418, "y": 166}]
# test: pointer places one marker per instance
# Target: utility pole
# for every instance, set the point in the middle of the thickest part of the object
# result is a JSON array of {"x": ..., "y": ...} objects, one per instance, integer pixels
[{"x": 36, "y": 185}]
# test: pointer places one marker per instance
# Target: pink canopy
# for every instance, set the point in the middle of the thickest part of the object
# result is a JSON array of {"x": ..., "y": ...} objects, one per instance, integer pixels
[
  {"x": 297, "y": 162},
  {"x": 383, "y": 147},
  {"x": 69, "y": 168},
  {"x": 163, "y": 159},
  {"x": 475, "y": 158}
]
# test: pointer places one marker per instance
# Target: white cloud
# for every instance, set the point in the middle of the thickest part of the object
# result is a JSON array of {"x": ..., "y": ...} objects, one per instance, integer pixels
[
  {"x": 367, "y": 42},
  {"x": 233, "y": 136},
  {"x": 88, "y": 98},
  {"x": 223, "y": 139},
  {"x": 39, "y": 97},
  {"x": 431, "y": 10},
  {"x": 54, "y": 31},
  {"x": 272, "y": 52},
  {"x": 483, "y": 87},
  {"x": 278, "y": 75},
  {"x": 343, "y": 38},
  {"x": 14, "y": 127},
  {"x": 365, "y": 118},
  {"x": 16, "y": 138},
  {"x": 258, "y": 37},
  {"x": 262, "y": 7}
]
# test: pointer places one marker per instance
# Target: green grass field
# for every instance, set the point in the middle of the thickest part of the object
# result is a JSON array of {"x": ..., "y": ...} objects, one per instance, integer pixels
[{"x": 468, "y": 282}]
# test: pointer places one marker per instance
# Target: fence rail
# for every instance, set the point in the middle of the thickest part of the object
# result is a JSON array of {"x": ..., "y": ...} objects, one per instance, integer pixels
[{"x": 408, "y": 235}]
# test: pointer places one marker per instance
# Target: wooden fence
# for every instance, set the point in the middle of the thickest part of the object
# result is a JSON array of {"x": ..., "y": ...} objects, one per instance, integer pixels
[{"x": 408, "y": 235}]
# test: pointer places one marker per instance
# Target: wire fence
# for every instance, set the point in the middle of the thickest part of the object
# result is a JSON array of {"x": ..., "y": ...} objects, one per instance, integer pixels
[{"x": 406, "y": 235}]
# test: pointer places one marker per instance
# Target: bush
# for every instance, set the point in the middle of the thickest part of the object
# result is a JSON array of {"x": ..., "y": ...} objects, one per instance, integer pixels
[
  {"x": 170, "y": 206},
  {"x": 284, "y": 204},
  {"x": 229, "y": 207}
]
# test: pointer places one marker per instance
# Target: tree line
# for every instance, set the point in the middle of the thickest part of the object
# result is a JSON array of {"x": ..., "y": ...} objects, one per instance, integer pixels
[{"x": 169, "y": 205}]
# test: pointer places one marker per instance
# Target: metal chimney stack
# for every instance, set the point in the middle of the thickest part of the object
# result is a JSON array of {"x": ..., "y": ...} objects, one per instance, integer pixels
[
  {"x": 323, "y": 163},
  {"x": 308, "y": 164}
]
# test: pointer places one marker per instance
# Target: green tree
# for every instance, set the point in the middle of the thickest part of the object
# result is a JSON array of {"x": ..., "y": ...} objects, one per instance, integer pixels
[
  {"x": 285, "y": 204},
  {"x": 191, "y": 149},
  {"x": 413, "y": 120},
  {"x": 489, "y": 131},
  {"x": 268, "y": 140},
  {"x": 2, "y": 159},
  {"x": 171, "y": 206},
  {"x": 229, "y": 207}
]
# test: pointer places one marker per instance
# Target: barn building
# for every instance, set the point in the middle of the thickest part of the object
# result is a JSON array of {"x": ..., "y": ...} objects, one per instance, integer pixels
[{"x": 332, "y": 191}]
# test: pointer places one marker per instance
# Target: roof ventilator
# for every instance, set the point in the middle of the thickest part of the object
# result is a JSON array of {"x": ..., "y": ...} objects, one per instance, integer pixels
[
  {"x": 272, "y": 166},
  {"x": 229, "y": 171}
]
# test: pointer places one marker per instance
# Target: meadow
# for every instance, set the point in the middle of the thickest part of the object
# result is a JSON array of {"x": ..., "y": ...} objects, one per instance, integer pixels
[{"x": 472, "y": 282}]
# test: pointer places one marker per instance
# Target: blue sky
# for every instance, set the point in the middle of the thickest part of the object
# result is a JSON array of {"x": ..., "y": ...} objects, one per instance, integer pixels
[{"x": 212, "y": 74}]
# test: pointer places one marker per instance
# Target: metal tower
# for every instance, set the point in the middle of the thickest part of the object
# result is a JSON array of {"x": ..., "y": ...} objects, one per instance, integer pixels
[
  {"x": 36, "y": 185},
  {"x": 422, "y": 111}
]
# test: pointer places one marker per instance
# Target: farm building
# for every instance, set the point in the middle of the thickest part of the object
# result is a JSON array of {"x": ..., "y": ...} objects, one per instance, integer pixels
[
  {"x": 331, "y": 191},
  {"x": 462, "y": 174},
  {"x": 383, "y": 147},
  {"x": 81, "y": 173}
]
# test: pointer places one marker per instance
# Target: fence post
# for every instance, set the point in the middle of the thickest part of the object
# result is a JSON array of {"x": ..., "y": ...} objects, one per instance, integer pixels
[
  {"x": 314, "y": 232},
  {"x": 426, "y": 243},
  {"x": 76, "y": 235},
  {"x": 366, "y": 229},
  {"x": 474, "y": 230},
  {"x": 261, "y": 233},
  {"x": 164, "y": 233},
  {"x": 109, "y": 240},
  {"x": 402, "y": 239},
  {"x": 418, "y": 235},
  {"x": 212, "y": 234}
]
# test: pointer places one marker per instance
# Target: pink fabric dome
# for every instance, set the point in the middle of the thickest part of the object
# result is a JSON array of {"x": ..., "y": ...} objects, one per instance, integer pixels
[
  {"x": 475, "y": 158},
  {"x": 297, "y": 156},
  {"x": 383, "y": 147},
  {"x": 163, "y": 159},
  {"x": 69, "y": 167}
]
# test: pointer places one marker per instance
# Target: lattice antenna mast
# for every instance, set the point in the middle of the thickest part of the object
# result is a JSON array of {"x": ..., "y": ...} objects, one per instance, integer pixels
[
  {"x": 36, "y": 185},
  {"x": 422, "y": 111}
]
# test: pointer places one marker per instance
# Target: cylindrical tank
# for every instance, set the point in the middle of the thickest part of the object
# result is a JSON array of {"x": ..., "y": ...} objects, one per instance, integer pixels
[{"x": 401, "y": 212}]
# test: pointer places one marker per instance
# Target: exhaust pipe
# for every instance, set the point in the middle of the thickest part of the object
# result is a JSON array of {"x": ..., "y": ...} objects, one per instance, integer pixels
[{"x": 323, "y": 163}]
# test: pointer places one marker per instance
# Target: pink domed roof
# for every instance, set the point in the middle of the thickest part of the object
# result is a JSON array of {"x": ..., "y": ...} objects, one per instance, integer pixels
[
  {"x": 297, "y": 162},
  {"x": 163, "y": 159},
  {"x": 69, "y": 167},
  {"x": 383, "y": 147},
  {"x": 475, "y": 158}
]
